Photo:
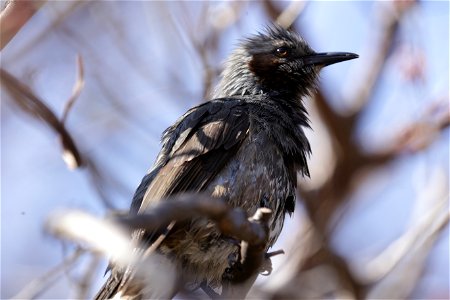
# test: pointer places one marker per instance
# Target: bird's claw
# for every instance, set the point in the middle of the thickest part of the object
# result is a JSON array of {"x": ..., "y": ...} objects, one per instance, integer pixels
[{"x": 234, "y": 264}]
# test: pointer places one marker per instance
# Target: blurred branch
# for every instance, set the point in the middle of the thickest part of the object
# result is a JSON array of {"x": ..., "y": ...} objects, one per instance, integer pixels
[
  {"x": 226, "y": 17},
  {"x": 102, "y": 183},
  {"x": 419, "y": 135},
  {"x": 34, "y": 289},
  {"x": 286, "y": 17},
  {"x": 77, "y": 39},
  {"x": 342, "y": 127},
  {"x": 14, "y": 16},
  {"x": 313, "y": 271},
  {"x": 35, "y": 107},
  {"x": 35, "y": 40},
  {"x": 389, "y": 19},
  {"x": 412, "y": 241},
  {"x": 207, "y": 44},
  {"x": 87, "y": 278},
  {"x": 204, "y": 44},
  {"x": 97, "y": 236},
  {"x": 401, "y": 264},
  {"x": 76, "y": 91},
  {"x": 231, "y": 222},
  {"x": 291, "y": 13},
  {"x": 350, "y": 158},
  {"x": 395, "y": 272},
  {"x": 106, "y": 237}
]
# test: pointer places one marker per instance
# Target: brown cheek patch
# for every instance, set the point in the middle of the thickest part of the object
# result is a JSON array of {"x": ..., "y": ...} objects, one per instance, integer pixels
[{"x": 262, "y": 63}]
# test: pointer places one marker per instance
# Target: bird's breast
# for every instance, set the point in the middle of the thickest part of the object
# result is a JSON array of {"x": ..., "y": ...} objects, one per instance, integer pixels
[{"x": 257, "y": 177}]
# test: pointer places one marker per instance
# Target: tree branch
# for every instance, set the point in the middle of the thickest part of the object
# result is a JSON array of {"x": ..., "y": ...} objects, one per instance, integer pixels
[
  {"x": 35, "y": 107},
  {"x": 14, "y": 16}
]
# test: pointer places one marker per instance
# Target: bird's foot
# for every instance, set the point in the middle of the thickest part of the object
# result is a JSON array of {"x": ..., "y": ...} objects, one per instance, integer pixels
[
  {"x": 234, "y": 264},
  {"x": 230, "y": 272}
]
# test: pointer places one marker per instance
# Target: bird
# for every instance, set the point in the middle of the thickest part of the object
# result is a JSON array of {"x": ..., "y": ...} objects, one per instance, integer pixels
[{"x": 246, "y": 144}]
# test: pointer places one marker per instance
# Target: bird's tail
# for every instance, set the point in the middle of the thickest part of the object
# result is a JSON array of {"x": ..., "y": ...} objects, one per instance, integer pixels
[
  {"x": 120, "y": 286},
  {"x": 110, "y": 289}
]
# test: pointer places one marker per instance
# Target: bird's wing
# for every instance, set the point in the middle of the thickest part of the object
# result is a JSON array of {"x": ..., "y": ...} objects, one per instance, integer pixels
[{"x": 195, "y": 149}]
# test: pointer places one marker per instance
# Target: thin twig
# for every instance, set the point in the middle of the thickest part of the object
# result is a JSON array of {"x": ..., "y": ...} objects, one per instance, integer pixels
[
  {"x": 86, "y": 279},
  {"x": 40, "y": 284},
  {"x": 35, "y": 107},
  {"x": 76, "y": 91}
]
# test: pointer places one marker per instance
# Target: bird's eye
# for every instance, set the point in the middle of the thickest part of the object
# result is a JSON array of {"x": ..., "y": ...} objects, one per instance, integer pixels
[{"x": 282, "y": 51}]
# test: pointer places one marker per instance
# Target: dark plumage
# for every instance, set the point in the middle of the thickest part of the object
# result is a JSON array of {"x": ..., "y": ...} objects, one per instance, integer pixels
[{"x": 246, "y": 145}]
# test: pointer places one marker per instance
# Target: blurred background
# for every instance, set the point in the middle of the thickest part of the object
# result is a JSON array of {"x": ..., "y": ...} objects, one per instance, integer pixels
[{"x": 107, "y": 78}]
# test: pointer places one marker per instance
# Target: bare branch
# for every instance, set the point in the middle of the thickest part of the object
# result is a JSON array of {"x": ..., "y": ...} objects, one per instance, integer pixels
[
  {"x": 232, "y": 222},
  {"x": 288, "y": 16},
  {"x": 86, "y": 279},
  {"x": 99, "y": 236},
  {"x": 401, "y": 264},
  {"x": 105, "y": 237},
  {"x": 419, "y": 135},
  {"x": 14, "y": 16},
  {"x": 76, "y": 91},
  {"x": 39, "y": 285},
  {"x": 389, "y": 18},
  {"x": 35, "y": 107}
]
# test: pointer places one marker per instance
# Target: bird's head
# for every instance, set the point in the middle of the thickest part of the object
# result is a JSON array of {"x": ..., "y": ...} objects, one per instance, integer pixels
[{"x": 277, "y": 61}]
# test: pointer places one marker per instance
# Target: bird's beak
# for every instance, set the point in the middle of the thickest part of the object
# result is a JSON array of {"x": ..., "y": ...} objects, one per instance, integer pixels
[{"x": 329, "y": 58}]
